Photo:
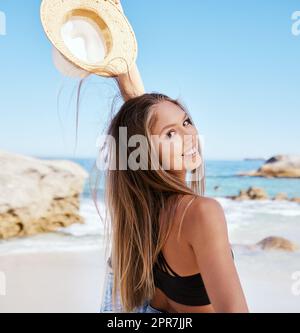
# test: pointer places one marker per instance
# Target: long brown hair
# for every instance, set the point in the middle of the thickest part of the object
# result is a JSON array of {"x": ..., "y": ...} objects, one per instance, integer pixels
[{"x": 135, "y": 200}]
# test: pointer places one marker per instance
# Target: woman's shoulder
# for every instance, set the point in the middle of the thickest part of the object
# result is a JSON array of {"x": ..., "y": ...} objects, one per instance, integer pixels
[
  {"x": 204, "y": 215},
  {"x": 201, "y": 204}
]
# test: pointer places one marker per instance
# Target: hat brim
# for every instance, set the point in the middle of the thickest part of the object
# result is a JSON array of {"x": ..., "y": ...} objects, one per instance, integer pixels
[{"x": 118, "y": 35}]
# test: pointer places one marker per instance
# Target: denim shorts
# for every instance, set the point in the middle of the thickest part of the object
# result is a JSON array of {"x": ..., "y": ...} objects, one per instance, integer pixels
[{"x": 107, "y": 304}]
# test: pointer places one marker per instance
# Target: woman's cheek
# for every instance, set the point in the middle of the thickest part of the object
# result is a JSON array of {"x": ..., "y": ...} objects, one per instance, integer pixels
[
  {"x": 170, "y": 153},
  {"x": 164, "y": 155},
  {"x": 176, "y": 154}
]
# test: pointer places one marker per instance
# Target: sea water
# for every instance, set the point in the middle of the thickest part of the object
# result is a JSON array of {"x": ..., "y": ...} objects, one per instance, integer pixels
[{"x": 248, "y": 221}]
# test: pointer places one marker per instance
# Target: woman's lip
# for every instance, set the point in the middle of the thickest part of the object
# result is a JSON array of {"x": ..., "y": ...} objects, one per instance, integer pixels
[
  {"x": 191, "y": 155},
  {"x": 194, "y": 148}
]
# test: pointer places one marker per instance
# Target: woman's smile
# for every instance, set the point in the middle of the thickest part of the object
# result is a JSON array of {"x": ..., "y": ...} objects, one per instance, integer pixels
[{"x": 191, "y": 152}]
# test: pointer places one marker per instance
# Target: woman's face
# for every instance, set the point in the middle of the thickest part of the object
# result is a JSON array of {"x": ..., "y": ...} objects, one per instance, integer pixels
[{"x": 175, "y": 138}]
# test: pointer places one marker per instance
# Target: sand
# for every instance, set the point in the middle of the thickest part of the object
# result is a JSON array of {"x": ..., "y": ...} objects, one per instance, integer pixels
[
  {"x": 72, "y": 281},
  {"x": 52, "y": 282}
]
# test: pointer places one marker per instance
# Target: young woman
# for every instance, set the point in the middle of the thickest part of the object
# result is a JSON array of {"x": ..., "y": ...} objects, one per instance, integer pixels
[{"x": 170, "y": 247}]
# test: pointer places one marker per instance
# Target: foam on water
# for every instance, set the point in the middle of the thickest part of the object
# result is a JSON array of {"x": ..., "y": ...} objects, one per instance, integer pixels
[
  {"x": 248, "y": 222},
  {"x": 263, "y": 219}
]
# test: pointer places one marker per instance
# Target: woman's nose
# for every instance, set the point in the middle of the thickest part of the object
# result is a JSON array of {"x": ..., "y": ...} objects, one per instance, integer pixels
[
  {"x": 189, "y": 130},
  {"x": 188, "y": 134},
  {"x": 188, "y": 141}
]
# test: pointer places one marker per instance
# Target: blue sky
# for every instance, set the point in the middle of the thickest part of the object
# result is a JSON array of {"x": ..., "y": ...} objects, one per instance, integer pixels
[{"x": 235, "y": 64}]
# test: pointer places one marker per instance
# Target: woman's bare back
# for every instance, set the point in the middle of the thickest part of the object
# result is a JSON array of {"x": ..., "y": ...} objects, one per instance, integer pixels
[{"x": 181, "y": 258}]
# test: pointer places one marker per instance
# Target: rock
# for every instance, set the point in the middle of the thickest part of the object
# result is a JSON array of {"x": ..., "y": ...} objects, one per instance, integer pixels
[
  {"x": 253, "y": 193},
  {"x": 241, "y": 196},
  {"x": 281, "y": 166},
  {"x": 297, "y": 199},
  {"x": 280, "y": 196},
  {"x": 38, "y": 195},
  {"x": 254, "y": 159},
  {"x": 277, "y": 243},
  {"x": 256, "y": 193}
]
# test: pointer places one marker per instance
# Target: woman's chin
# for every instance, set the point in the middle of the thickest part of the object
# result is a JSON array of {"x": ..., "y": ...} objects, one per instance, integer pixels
[{"x": 192, "y": 162}]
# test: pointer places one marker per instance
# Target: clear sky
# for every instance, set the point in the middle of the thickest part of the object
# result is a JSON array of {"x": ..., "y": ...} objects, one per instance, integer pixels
[{"x": 235, "y": 64}]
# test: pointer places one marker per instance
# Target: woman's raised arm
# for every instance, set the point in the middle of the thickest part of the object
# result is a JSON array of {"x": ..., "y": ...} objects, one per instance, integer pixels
[{"x": 130, "y": 84}]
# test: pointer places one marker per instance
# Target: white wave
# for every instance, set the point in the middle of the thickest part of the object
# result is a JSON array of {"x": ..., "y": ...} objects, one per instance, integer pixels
[
  {"x": 248, "y": 222},
  {"x": 93, "y": 223}
]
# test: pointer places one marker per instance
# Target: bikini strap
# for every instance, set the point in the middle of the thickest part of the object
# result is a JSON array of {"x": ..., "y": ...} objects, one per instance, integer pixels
[
  {"x": 164, "y": 264},
  {"x": 184, "y": 212}
]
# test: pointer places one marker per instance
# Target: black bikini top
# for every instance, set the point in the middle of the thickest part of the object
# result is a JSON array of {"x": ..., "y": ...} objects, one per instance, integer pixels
[{"x": 188, "y": 290}]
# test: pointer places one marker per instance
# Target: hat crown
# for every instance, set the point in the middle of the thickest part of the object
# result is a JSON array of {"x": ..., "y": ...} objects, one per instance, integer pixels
[{"x": 93, "y": 36}]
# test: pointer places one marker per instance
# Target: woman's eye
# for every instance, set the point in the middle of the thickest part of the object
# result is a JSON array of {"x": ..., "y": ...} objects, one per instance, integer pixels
[
  {"x": 169, "y": 134},
  {"x": 188, "y": 120}
]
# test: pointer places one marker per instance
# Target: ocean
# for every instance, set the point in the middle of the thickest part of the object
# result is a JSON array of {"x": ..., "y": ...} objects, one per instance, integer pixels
[{"x": 248, "y": 221}]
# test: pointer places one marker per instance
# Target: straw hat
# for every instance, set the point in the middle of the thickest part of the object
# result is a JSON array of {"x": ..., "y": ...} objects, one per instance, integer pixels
[{"x": 89, "y": 36}]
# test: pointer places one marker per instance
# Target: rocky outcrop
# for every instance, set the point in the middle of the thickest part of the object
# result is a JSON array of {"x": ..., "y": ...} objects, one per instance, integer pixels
[
  {"x": 254, "y": 159},
  {"x": 297, "y": 199},
  {"x": 253, "y": 193},
  {"x": 280, "y": 196},
  {"x": 277, "y": 243},
  {"x": 280, "y": 166},
  {"x": 257, "y": 193},
  {"x": 269, "y": 243},
  {"x": 38, "y": 195}
]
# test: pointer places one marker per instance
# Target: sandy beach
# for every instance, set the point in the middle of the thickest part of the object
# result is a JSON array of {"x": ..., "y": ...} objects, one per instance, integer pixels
[
  {"x": 72, "y": 282},
  {"x": 64, "y": 271},
  {"x": 52, "y": 282}
]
